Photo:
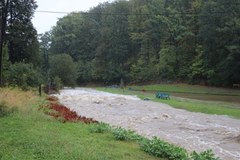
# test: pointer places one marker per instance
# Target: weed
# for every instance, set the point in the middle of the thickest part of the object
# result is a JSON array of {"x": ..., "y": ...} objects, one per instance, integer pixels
[
  {"x": 159, "y": 148},
  {"x": 206, "y": 155},
  {"x": 163, "y": 149},
  {"x": 99, "y": 128},
  {"x": 123, "y": 134}
]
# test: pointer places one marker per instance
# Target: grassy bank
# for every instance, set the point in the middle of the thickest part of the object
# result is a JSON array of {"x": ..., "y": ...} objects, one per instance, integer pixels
[
  {"x": 29, "y": 134},
  {"x": 209, "y": 107},
  {"x": 185, "y": 88}
]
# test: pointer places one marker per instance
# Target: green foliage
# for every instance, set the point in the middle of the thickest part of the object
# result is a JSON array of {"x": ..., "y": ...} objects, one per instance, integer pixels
[
  {"x": 57, "y": 83},
  {"x": 84, "y": 71},
  {"x": 100, "y": 128},
  {"x": 206, "y": 155},
  {"x": 198, "y": 73},
  {"x": 21, "y": 35},
  {"x": 142, "y": 72},
  {"x": 191, "y": 41},
  {"x": 123, "y": 134},
  {"x": 167, "y": 63},
  {"x": 220, "y": 41},
  {"x": 67, "y": 35},
  {"x": 62, "y": 66},
  {"x": 23, "y": 75},
  {"x": 162, "y": 149}
]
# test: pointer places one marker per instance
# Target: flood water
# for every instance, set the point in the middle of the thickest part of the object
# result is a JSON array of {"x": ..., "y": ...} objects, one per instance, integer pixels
[
  {"x": 208, "y": 97},
  {"x": 193, "y": 131}
]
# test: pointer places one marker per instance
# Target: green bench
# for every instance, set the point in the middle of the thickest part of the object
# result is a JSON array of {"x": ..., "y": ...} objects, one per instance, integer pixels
[{"x": 162, "y": 95}]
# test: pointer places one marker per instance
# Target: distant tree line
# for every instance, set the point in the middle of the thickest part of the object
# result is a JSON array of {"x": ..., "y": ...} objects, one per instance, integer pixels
[{"x": 194, "y": 41}]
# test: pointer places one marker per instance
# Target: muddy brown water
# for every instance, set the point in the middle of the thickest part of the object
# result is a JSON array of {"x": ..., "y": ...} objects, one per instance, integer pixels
[{"x": 193, "y": 131}]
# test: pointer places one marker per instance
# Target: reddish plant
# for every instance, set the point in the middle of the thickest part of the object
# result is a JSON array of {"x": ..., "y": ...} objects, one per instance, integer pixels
[{"x": 66, "y": 113}]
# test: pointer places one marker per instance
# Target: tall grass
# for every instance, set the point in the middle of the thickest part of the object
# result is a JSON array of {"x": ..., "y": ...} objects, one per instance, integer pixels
[{"x": 15, "y": 97}]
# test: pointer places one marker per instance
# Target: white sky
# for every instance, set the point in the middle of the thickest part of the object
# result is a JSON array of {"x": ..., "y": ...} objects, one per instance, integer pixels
[{"x": 45, "y": 21}]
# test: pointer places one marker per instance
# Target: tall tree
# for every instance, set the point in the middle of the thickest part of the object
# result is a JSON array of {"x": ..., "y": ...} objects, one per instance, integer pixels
[
  {"x": 220, "y": 34},
  {"x": 113, "y": 50},
  {"x": 22, "y": 36},
  {"x": 66, "y": 35},
  {"x": 4, "y": 13},
  {"x": 18, "y": 31},
  {"x": 146, "y": 33}
]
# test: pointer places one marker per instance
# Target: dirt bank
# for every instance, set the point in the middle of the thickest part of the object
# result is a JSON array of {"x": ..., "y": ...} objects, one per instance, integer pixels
[{"x": 193, "y": 131}]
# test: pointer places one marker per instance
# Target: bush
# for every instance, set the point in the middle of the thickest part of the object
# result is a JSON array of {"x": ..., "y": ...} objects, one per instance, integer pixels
[
  {"x": 163, "y": 149},
  {"x": 23, "y": 75},
  {"x": 99, "y": 128},
  {"x": 206, "y": 155},
  {"x": 123, "y": 134},
  {"x": 159, "y": 148}
]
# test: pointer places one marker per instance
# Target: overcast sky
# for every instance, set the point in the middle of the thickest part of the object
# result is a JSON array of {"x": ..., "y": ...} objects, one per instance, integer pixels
[{"x": 44, "y": 21}]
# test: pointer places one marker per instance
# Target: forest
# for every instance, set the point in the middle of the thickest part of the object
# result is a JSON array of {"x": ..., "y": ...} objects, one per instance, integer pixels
[{"x": 135, "y": 41}]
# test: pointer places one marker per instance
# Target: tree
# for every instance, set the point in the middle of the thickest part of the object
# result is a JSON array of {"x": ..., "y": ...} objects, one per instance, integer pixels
[
  {"x": 17, "y": 31},
  {"x": 220, "y": 36},
  {"x": 142, "y": 40},
  {"x": 45, "y": 44},
  {"x": 67, "y": 36},
  {"x": 146, "y": 30},
  {"x": 62, "y": 66},
  {"x": 113, "y": 48},
  {"x": 4, "y": 12}
]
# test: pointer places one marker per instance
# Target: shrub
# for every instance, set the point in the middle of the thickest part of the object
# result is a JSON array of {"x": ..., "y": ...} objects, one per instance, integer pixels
[
  {"x": 163, "y": 149},
  {"x": 123, "y": 134},
  {"x": 99, "y": 128},
  {"x": 23, "y": 75},
  {"x": 206, "y": 155}
]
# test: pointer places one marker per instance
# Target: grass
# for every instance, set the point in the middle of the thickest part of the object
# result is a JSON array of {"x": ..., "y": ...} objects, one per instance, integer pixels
[
  {"x": 208, "y": 107},
  {"x": 185, "y": 88},
  {"x": 30, "y": 134},
  {"x": 14, "y": 97}
]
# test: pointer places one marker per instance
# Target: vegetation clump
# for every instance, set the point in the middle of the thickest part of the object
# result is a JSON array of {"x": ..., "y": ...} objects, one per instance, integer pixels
[
  {"x": 155, "y": 146},
  {"x": 5, "y": 110},
  {"x": 62, "y": 113},
  {"x": 122, "y": 134},
  {"x": 100, "y": 128},
  {"x": 163, "y": 149}
]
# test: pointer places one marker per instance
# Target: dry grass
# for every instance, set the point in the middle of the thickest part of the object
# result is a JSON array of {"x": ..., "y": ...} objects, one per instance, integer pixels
[{"x": 14, "y": 97}]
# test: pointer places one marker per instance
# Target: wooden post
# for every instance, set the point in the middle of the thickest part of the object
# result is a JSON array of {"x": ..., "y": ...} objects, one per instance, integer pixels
[{"x": 40, "y": 90}]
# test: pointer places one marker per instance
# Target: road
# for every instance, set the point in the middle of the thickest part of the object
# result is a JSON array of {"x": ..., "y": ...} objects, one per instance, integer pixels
[{"x": 193, "y": 131}]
